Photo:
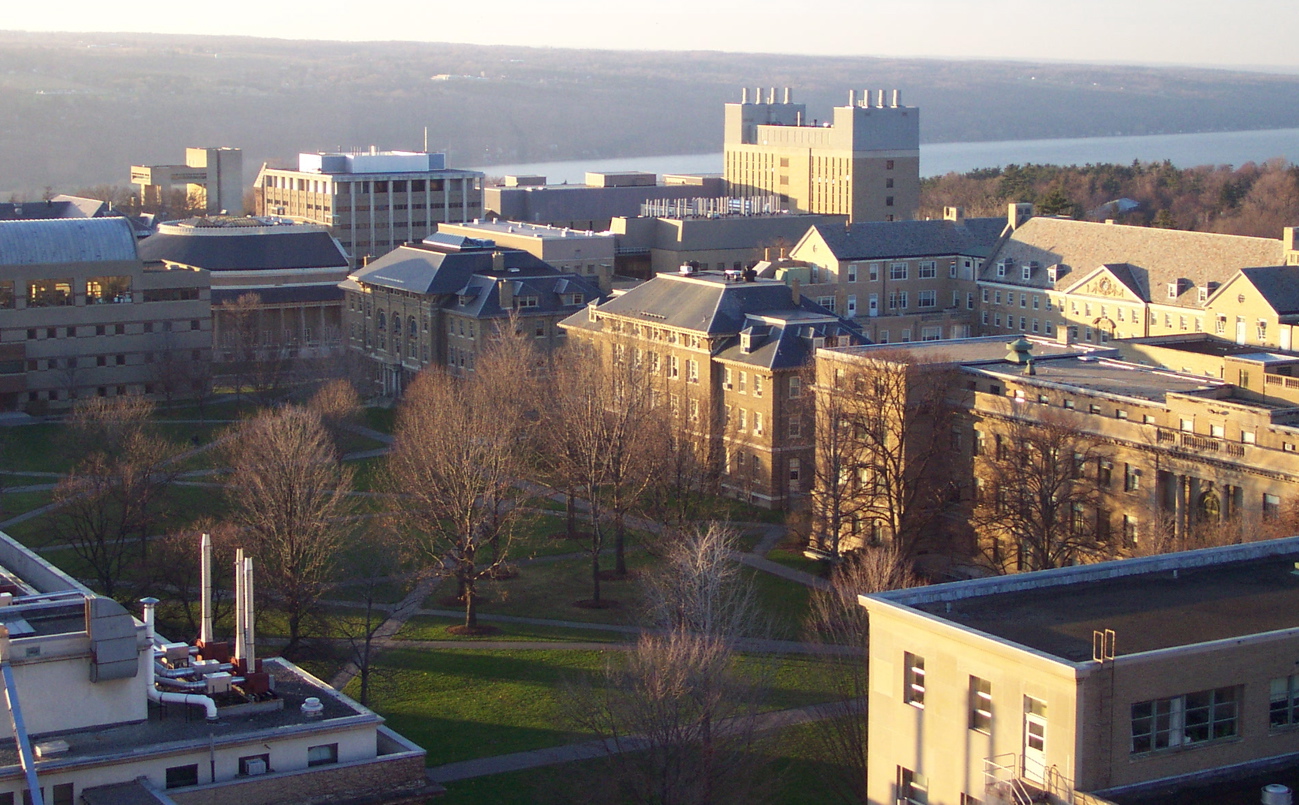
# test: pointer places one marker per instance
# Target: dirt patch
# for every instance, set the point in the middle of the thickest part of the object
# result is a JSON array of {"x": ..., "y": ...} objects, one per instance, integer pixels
[
  {"x": 472, "y": 631},
  {"x": 603, "y": 603}
]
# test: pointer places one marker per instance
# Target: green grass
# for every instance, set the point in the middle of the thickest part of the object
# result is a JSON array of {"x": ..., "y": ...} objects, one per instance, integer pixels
[
  {"x": 428, "y": 627},
  {"x": 798, "y": 776},
  {"x": 16, "y": 503},
  {"x": 785, "y": 603},
  {"x": 34, "y": 448},
  {"x": 464, "y": 704},
  {"x": 385, "y": 592},
  {"x": 548, "y": 590},
  {"x": 381, "y": 419},
  {"x": 795, "y": 560}
]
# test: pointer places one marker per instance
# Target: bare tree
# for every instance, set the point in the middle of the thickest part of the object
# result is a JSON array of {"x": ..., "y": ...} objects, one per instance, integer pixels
[
  {"x": 289, "y": 493},
  {"x": 371, "y": 561},
  {"x": 681, "y": 701},
  {"x": 682, "y": 469},
  {"x": 452, "y": 470},
  {"x": 596, "y": 422},
  {"x": 837, "y": 619},
  {"x": 882, "y": 429},
  {"x": 1038, "y": 502},
  {"x": 338, "y": 406},
  {"x": 107, "y": 505}
]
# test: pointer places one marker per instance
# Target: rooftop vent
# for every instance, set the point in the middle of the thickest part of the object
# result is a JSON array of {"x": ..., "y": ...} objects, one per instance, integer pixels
[{"x": 312, "y": 708}]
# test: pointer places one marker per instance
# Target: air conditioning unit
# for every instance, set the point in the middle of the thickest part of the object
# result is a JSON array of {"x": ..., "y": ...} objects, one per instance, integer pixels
[{"x": 254, "y": 766}]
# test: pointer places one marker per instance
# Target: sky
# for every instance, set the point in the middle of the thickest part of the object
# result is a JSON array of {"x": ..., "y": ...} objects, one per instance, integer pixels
[{"x": 1190, "y": 32}]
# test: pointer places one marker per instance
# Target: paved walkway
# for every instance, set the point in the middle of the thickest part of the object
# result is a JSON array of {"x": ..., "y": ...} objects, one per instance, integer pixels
[
  {"x": 519, "y": 761},
  {"x": 383, "y": 636}
]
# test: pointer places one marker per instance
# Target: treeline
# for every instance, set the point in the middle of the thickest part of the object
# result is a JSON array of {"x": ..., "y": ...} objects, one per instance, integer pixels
[{"x": 1253, "y": 199}]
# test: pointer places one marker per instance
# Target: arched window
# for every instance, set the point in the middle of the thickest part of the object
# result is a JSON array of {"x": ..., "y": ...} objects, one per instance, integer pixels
[
  {"x": 413, "y": 327},
  {"x": 382, "y": 320}
]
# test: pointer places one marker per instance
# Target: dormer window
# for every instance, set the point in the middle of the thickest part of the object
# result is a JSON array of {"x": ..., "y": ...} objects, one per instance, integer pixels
[
  {"x": 1002, "y": 265},
  {"x": 1053, "y": 274},
  {"x": 522, "y": 302},
  {"x": 575, "y": 299},
  {"x": 1026, "y": 273},
  {"x": 1204, "y": 295},
  {"x": 1172, "y": 290},
  {"x": 466, "y": 299}
]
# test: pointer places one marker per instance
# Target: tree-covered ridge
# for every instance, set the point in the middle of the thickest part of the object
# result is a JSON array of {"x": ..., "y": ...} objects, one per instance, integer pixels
[{"x": 1253, "y": 199}]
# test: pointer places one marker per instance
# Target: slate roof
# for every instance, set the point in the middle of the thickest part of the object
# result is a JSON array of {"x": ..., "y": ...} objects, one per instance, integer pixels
[
  {"x": 482, "y": 297},
  {"x": 1154, "y": 257},
  {"x": 881, "y": 240},
  {"x": 280, "y": 250},
  {"x": 704, "y": 302},
  {"x": 709, "y": 303},
  {"x": 66, "y": 240},
  {"x": 423, "y": 271},
  {"x": 1279, "y": 285},
  {"x": 786, "y": 342}
]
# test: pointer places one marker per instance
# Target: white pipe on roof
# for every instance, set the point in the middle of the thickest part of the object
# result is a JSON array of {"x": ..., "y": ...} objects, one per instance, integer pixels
[{"x": 151, "y": 689}]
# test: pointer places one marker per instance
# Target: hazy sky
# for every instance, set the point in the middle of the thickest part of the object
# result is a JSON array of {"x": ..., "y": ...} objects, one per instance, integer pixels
[{"x": 1206, "y": 32}]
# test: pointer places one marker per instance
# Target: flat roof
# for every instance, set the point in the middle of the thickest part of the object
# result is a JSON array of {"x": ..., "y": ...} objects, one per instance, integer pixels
[
  {"x": 1151, "y": 604},
  {"x": 1208, "y": 345},
  {"x": 505, "y": 227},
  {"x": 984, "y": 349},
  {"x": 1105, "y": 376},
  {"x": 172, "y": 727}
]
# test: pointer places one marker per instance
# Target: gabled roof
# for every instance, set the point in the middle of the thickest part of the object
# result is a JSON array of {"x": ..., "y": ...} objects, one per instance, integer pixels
[
  {"x": 705, "y": 302},
  {"x": 66, "y": 240},
  {"x": 881, "y": 240},
  {"x": 1278, "y": 285},
  {"x": 1155, "y": 257},
  {"x": 280, "y": 250},
  {"x": 481, "y": 296},
  {"x": 785, "y": 342},
  {"x": 424, "y": 272}
]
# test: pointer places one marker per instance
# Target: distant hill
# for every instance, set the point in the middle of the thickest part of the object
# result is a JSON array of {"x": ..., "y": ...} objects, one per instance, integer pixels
[{"x": 80, "y": 109}]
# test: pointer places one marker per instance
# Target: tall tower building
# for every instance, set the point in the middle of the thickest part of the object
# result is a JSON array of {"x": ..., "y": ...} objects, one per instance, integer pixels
[{"x": 864, "y": 163}]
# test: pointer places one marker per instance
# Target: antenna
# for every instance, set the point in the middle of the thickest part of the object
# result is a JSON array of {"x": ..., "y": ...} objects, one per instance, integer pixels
[{"x": 426, "y": 139}]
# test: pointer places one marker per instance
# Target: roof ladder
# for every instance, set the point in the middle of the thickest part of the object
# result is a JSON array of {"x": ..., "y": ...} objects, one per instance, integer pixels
[{"x": 25, "y": 756}]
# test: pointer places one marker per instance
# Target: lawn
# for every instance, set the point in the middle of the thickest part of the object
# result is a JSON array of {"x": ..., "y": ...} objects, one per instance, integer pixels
[
  {"x": 548, "y": 590},
  {"x": 461, "y": 704},
  {"x": 429, "y": 627},
  {"x": 784, "y": 603},
  {"x": 798, "y": 777}
]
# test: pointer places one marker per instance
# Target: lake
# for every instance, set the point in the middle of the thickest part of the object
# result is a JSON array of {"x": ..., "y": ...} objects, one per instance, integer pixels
[{"x": 1183, "y": 150}]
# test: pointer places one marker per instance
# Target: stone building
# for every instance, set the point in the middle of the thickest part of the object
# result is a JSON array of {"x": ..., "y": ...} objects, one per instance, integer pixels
[
  {"x": 371, "y": 202},
  {"x": 215, "y": 176},
  {"x": 729, "y": 351},
  {"x": 1175, "y": 457},
  {"x": 1162, "y": 679},
  {"x": 1104, "y": 281},
  {"x": 82, "y": 315},
  {"x": 864, "y": 163},
  {"x": 901, "y": 281},
  {"x": 292, "y": 269},
  {"x": 440, "y": 301}
]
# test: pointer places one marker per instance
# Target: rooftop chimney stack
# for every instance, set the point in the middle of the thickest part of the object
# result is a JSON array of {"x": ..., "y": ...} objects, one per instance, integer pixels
[
  {"x": 744, "y": 95},
  {"x": 852, "y": 97},
  {"x": 205, "y": 630},
  {"x": 897, "y": 98},
  {"x": 789, "y": 97},
  {"x": 880, "y": 99}
]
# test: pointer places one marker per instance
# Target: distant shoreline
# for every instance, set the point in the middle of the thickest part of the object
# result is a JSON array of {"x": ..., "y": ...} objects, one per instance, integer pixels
[{"x": 938, "y": 158}]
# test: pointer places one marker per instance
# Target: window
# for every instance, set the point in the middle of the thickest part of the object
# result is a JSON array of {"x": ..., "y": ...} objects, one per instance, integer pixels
[
  {"x": 795, "y": 387},
  {"x": 873, "y": 271},
  {"x": 852, "y": 273},
  {"x": 1025, "y": 273},
  {"x": 757, "y": 385},
  {"x": 692, "y": 370},
  {"x": 978, "y": 447},
  {"x": 996, "y": 296},
  {"x": 888, "y": 201},
  {"x": 111, "y": 290},
  {"x": 898, "y": 271},
  {"x": 795, "y": 426},
  {"x": 980, "y": 704},
  {"x": 178, "y": 776},
  {"x": 1131, "y": 478},
  {"x": 969, "y": 301},
  {"x": 322, "y": 755},
  {"x": 913, "y": 787},
  {"x": 1271, "y": 506},
  {"x": 674, "y": 366},
  {"x": 1187, "y": 425},
  {"x": 1104, "y": 472},
  {"x": 913, "y": 683},
  {"x": 1247, "y": 436},
  {"x": 757, "y": 422},
  {"x": 1283, "y": 710},
  {"x": 49, "y": 293},
  {"x": 1187, "y": 720},
  {"x": 1001, "y": 267},
  {"x": 928, "y": 269},
  {"x": 926, "y": 299},
  {"x": 744, "y": 377},
  {"x": 985, "y": 296},
  {"x": 826, "y": 302},
  {"x": 62, "y": 794},
  {"x": 897, "y": 300},
  {"x": 1023, "y": 300},
  {"x": 1129, "y": 531}
]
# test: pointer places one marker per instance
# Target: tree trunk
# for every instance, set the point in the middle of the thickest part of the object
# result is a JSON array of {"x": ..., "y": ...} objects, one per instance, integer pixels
[
  {"x": 570, "y": 514},
  {"x": 619, "y": 546},
  {"x": 471, "y": 605},
  {"x": 595, "y": 576}
]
